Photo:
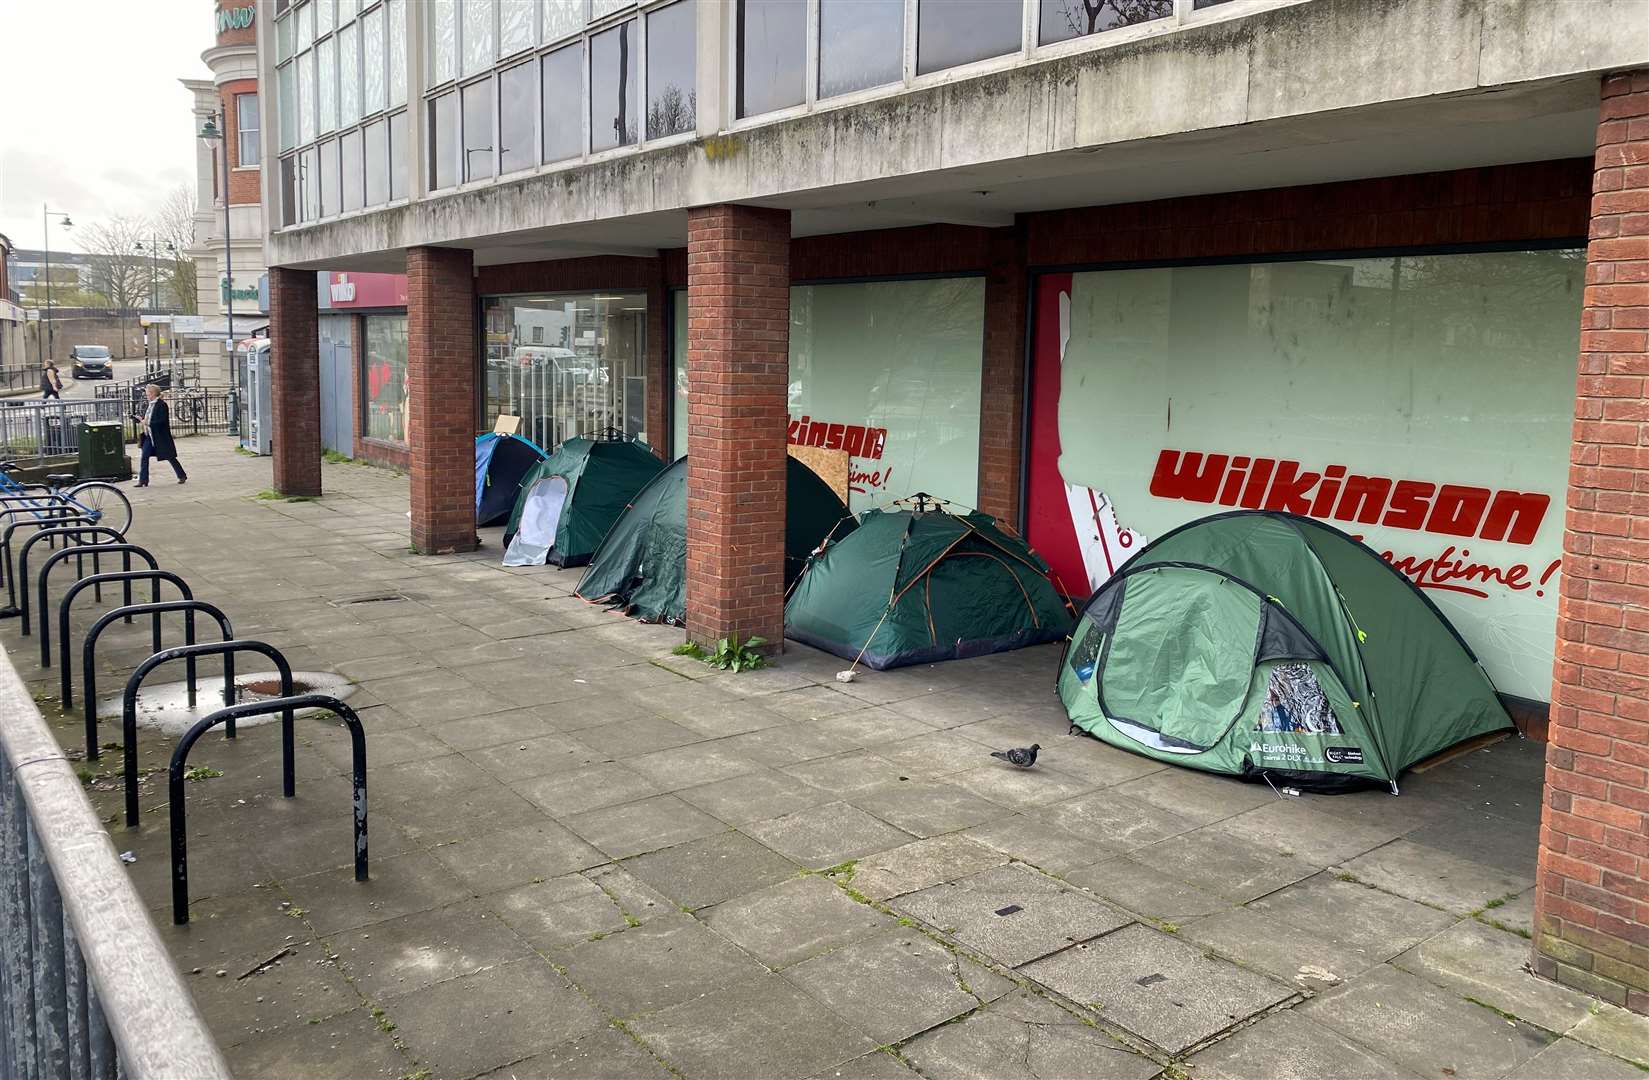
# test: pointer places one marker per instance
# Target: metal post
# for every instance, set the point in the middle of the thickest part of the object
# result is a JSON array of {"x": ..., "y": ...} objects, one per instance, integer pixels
[
  {"x": 16, "y": 970},
  {"x": 51, "y": 1018}
]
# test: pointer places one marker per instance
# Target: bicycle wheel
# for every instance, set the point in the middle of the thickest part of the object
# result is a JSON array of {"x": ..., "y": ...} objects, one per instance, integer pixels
[{"x": 104, "y": 503}]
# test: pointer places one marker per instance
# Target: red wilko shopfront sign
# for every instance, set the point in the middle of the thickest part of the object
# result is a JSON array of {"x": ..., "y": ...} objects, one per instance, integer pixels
[{"x": 1334, "y": 493}]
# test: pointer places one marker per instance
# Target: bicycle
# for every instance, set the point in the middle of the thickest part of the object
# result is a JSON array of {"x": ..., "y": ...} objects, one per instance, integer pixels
[{"x": 98, "y": 500}]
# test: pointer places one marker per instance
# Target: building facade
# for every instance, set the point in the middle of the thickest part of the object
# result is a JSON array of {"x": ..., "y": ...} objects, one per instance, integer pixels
[
  {"x": 227, "y": 275},
  {"x": 1097, "y": 270}
]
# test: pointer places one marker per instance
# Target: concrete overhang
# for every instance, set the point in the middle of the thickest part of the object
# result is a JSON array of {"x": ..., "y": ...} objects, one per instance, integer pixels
[{"x": 1316, "y": 92}]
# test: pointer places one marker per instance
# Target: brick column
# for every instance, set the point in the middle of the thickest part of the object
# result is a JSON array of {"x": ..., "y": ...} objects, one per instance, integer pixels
[
  {"x": 1592, "y": 898},
  {"x": 1002, "y": 383},
  {"x": 295, "y": 352},
  {"x": 441, "y": 363},
  {"x": 738, "y": 373}
]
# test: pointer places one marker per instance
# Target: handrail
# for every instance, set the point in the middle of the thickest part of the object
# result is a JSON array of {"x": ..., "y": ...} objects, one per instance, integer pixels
[{"x": 76, "y": 941}]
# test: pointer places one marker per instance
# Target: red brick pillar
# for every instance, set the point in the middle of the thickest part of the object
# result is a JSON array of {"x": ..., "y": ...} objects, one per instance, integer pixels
[
  {"x": 441, "y": 363},
  {"x": 1592, "y": 899},
  {"x": 738, "y": 375},
  {"x": 1002, "y": 384},
  {"x": 295, "y": 351}
]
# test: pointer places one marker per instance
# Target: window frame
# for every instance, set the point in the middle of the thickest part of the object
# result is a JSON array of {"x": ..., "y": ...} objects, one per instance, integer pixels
[{"x": 242, "y": 159}]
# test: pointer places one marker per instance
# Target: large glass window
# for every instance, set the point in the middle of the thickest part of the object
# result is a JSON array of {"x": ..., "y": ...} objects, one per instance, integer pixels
[
  {"x": 478, "y": 142},
  {"x": 326, "y": 96},
  {"x": 562, "y": 17},
  {"x": 952, "y": 32},
  {"x": 286, "y": 88},
  {"x": 289, "y": 190},
  {"x": 772, "y": 55},
  {"x": 376, "y": 165},
  {"x": 443, "y": 40},
  {"x": 349, "y": 74},
  {"x": 861, "y": 44},
  {"x": 1064, "y": 19},
  {"x": 372, "y": 60},
  {"x": 351, "y": 167},
  {"x": 306, "y": 97},
  {"x": 385, "y": 378},
  {"x": 517, "y": 100},
  {"x": 563, "y": 79},
  {"x": 613, "y": 90},
  {"x": 329, "y": 177},
  {"x": 309, "y": 185},
  {"x": 567, "y": 364},
  {"x": 672, "y": 94},
  {"x": 477, "y": 35},
  {"x": 286, "y": 36},
  {"x": 396, "y": 62},
  {"x": 398, "y": 155},
  {"x": 444, "y": 149},
  {"x": 326, "y": 14},
  {"x": 306, "y": 26},
  {"x": 248, "y": 148},
  {"x": 515, "y": 26}
]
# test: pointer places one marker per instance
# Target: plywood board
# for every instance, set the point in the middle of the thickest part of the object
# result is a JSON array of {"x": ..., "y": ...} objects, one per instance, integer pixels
[{"x": 831, "y": 465}]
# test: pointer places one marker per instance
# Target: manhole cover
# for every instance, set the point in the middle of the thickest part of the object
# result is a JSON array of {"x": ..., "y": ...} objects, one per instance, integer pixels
[{"x": 165, "y": 706}]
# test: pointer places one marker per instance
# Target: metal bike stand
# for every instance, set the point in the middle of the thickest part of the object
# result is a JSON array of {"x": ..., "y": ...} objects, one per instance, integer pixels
[
  {"x": 154, "y": 577},
  {"x": 128, "y": 709},
  {"x": 89, "y": 657},
  {"x": 36, "y": 522},
  {"x": 21, "y": 595},
  {"x": 78, "y": 552},
  {"x": 180, "y": 759}
]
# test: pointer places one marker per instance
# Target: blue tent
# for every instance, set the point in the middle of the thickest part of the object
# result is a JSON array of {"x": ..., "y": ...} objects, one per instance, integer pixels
[{"x": 500, "y": 463}]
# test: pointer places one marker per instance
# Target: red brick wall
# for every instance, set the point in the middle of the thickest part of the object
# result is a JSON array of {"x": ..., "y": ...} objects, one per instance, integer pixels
[
  {"x": 738, "y": 366},
  {"x": 243, "y": 36},
  {"x": 1592, "y": 899},
  {"x": 243, "y": 183},
  {"x": 1002, "y": 390},
  {"x": 295, "y": 352},
  {"x": 441, "y": 382}
]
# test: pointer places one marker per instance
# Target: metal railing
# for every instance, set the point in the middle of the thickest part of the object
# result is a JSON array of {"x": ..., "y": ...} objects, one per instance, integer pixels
[
  {"x": 87, "y": 989},
  {"x": 42, "y": 429}
]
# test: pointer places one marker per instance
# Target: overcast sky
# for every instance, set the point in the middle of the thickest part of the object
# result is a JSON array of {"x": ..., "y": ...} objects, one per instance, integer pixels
[{"x": 94, "y": 120}]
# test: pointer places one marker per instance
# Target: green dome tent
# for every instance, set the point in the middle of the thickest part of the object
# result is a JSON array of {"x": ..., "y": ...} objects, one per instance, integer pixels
[
  {"x": 569, "y": 500},
  {"x": 916, "y": 586},
  {"x": 641, "y": 565},
  {"x": 1264, "y": 644}
]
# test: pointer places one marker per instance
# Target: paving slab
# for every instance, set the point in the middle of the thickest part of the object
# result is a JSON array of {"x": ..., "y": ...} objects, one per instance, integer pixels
[
  {"x": 1225, "y": 865},
  {"x": 638, "y": 827},
  {"x": 1289, "y": 1046},
  {"x": 918, "y": 865},
  {"x": 1012, "y": 914},
  {"x": 1515, "y": 916},
  {"x": 558, "y": 913},
  {"x": 1499, "y": 843},
  {"x": 1491, "y": 966},
  {"x": 609, "y": 1054},
  {"x": 735, "y": 1034},
  {"x": 755, "y": 796},
  {"x": 509, "y": 857},
  {"x": 929, "y": 808},
  {"x": 690, "y": 766},
  {"x": 877, "y": 1066},
  {"x": 786, "y": 923},
  {"x": 333, "y": 900},
  {"x": 897, "y": 983},
  {"x": 827, "y": 835},
  {"x": 541, "y": 755},
  {"x": 441, "y": 819},
  {"x": 1148, "y": 892},
  {"x": 667, "y": 961},
  {"x": 1435, "y": 877},
  {"x": 1255, "y": 940},
  {"x": 1158, "y": 987},
  {"x": 857, "y": 772},
  {"x": 712, "y": 869},
  {"x": 469, "y": 1025},
  {"x": 1571, "y": 1060},
  {"x": 1424, "y": 1028},
  {"x": 1024, "y": 1036},
  {"x": 607, "y": 784},
  {"x": 409, "y": 953},
  {"x": 811, "y": 703},
  {"x": 344, "y": 1047},
  {"x": 1617, "y": 1031},
  {"x": 302, "y": 986},
  {"x": 1371, "y": 924},
  {"x": 1115, "y": 819},
  {"x": 933, "y": 755},
  {"x": 1305, "y": 832},
  {"x": 1020, "y": 789},
  {"x": 1198, "y": 796}
]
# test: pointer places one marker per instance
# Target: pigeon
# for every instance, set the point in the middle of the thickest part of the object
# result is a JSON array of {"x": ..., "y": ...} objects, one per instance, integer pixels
[{"x": 1022, "y": 756}]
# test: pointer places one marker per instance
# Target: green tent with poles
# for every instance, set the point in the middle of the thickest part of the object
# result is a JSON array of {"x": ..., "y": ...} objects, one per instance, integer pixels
[
  {"x": 570, "y": 500},
  {"x": 641, "y": 565},
  {"x": 913, "y": 586},
  {"x": 1274, "y": 647}
]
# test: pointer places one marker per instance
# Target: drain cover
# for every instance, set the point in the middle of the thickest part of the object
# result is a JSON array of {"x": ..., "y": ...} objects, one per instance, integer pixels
[
  {"x": 165, "y": 706},
  {"x": 374, "y": 598}
]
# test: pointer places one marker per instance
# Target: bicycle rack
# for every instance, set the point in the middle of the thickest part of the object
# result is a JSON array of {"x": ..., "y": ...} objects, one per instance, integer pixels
[
  {"x": 128, "y": 708},
  {"x": 97, "y": 581},
  {"x": 20, "y": 597},
  {"x": 286, "y": 704},
  {"x": 88, "y": 651},
  {"x": 36, "y": 522},
  {"x": 79, "y": 553}
]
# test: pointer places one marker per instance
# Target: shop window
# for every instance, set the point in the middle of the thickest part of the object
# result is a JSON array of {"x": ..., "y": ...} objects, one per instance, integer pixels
[
  {"x": 477, "y": 35},
  {"x": 398, "y": 155},
  {"x": 248, "y": 150},
  {"x": 672, "y": 93},
  {"x": 1065, "y": 19},
  {"x": 515, "y": 26},
  {"x": 517, "y": 95},
  {"x": 478, "y": 142},
  {"x": 326, "y": 93},
  {"x": 395, "y": 14},
  {"x": 349, "y": 74},
  {"x": 443, "y": 141},
  {"x": 567, "y": 364},
  {"x": 613, "y": 89},
  {"x": 563, "y": 92},
  {"x": 376, "y": 164},
  {"x": 329, "y": 177},
  {"x": 351, "y": 167},
  {"x": 443, "y": 40},
  {"x": 772, "y": 38},
  {"x": 954, "y": 32},
  {"x": 384, "y": 379},
  {"x": 372, "y": 61},
  {"x": 861, "y": 44},
  {"x": 286, "y": 90}
]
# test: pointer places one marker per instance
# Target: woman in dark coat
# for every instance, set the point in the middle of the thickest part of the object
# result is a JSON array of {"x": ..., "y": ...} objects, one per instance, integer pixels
[{"x": 157, "y": 437}]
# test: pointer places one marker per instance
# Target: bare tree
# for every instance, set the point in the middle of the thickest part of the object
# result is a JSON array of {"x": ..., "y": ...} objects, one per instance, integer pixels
[
  {"x": 1085, "y": 17},
  {"x": 174, "y": 223},
  {"x": 119, "y": 273},
  {"x": 672, "y": 112}
]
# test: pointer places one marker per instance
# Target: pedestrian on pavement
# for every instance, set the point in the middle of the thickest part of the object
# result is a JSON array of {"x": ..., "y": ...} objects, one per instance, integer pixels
[
  {"x": 51, "y": 383},
  {"x": 157, "y": 437}
]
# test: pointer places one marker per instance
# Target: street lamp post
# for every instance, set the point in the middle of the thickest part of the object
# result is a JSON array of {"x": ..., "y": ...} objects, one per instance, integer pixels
[
  {"x": 46, "y": 215},
  {"x": 154, "y": 255},
  {"x": 214, "y": 129}
]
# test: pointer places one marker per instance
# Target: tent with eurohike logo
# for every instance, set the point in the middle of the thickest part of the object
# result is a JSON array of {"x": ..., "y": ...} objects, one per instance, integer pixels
[
  {"x": 570, "y": 500},
  {"x": 1267, "y": 645}
]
